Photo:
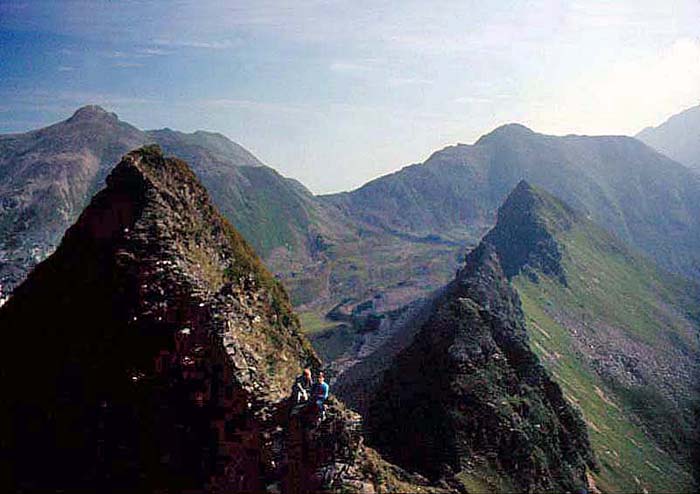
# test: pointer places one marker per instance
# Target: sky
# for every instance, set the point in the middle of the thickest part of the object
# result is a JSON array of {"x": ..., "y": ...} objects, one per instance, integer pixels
[{"x": 335, "y": 93}]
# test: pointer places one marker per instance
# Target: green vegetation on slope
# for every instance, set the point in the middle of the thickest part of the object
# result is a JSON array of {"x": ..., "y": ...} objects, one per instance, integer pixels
[
  {"x": 616, "y": 298},
  {"x": 312, "y": 323},
  {"x": 629, "y": 460}
]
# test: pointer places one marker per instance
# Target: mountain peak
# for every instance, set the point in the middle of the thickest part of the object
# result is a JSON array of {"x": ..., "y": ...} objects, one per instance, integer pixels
[
  {"x": 678, "y": 137},
  {"x": 526, "y": 200},
  {"x": 525, "y": 231},
  {"x": 92, "y": 113},
  {"x": 166, "y": 314},
  {"x": 524, "y": 188},
  {"x": 510, "y": 130},
  {"x": 447, "y": 396}
]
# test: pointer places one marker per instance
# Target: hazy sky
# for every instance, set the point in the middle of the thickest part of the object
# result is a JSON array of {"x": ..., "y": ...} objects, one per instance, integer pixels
[{"x": 337, "y": 92}]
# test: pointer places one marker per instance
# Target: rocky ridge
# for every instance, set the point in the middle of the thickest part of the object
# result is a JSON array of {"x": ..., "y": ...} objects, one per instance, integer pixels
[
  {"x": 469, "y": 401},
  {"x": 621, "y": 333},
  {"x": 162, "y": 356}
]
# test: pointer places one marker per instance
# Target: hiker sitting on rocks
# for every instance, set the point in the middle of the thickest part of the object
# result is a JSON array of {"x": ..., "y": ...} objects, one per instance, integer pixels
[
  {"x": 319, "y": 394},
  {"x": 302, "y": 387}
]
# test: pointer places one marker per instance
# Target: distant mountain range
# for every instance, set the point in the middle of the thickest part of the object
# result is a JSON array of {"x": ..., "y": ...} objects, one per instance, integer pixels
[
  {"x": 678, "y": 137},
  {"x": 646, "y": 199},
  {"x": 47, "y": 177},
  {"x": 346, "y": 258},
  {"x": 619, "y": 335}
]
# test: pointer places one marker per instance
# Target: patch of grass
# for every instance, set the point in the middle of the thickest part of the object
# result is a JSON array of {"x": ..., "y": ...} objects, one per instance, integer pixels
[
  {"x": 484, "y": 479},
  {"x": 629, "y": 460},
  {"x": 312, "y": 323},
  {"x": 263, "y": 208}
]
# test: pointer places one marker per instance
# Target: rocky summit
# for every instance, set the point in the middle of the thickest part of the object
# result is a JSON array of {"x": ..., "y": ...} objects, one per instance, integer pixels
[
  {"x": 469, "y": 402},
  {"x": 153, "y": 352}
]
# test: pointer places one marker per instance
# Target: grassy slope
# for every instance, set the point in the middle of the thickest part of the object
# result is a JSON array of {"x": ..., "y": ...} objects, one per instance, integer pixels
[
  {"x": 328, "y": 338},
  {"x": 607, "y": 285}
]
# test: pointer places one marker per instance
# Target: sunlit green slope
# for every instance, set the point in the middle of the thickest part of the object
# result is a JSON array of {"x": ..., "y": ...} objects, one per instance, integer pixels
[{"x": 619, "y": 335}]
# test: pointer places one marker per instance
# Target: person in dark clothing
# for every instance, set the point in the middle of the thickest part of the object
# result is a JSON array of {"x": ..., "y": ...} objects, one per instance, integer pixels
[{"x": 302, "y": 387}]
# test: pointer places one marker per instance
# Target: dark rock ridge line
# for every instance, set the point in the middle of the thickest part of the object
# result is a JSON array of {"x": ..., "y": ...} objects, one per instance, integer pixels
[
  {"x": 468, "y": 396},
  {"x": 152, "y": 351},
  {"x": 523, "y": 236}
]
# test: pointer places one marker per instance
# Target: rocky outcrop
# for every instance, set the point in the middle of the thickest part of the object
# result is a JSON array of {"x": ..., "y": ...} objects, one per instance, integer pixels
[
  {"x": 330, "y": 456},
  {"x": 469, "y": 401},
  {"x": 523, "y": 234},
  {"x": 153, "y": 352}
]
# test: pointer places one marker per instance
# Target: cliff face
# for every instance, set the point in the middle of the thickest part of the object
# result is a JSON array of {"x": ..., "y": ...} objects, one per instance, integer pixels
[
  {"x": 153, "y": 351},
  {"x": 469, "y": 401}
]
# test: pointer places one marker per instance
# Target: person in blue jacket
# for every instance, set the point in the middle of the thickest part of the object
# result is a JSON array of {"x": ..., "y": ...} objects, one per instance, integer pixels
[{"x": 319, "y": 394}]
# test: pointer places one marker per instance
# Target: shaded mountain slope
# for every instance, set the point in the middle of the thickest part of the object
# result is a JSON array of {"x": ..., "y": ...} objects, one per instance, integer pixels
[
  {"x": 360, "y": 370},
  {"x": 271, "y": 211},
  {"x": 619, "y": 334},
  {"x": 48, "y": 176},
  {"x": 643, "y": 197},
  {"x": 160, "y": 357},
  {"x": 469, "y": 401},
  {"x": 678, "y": 137}
]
